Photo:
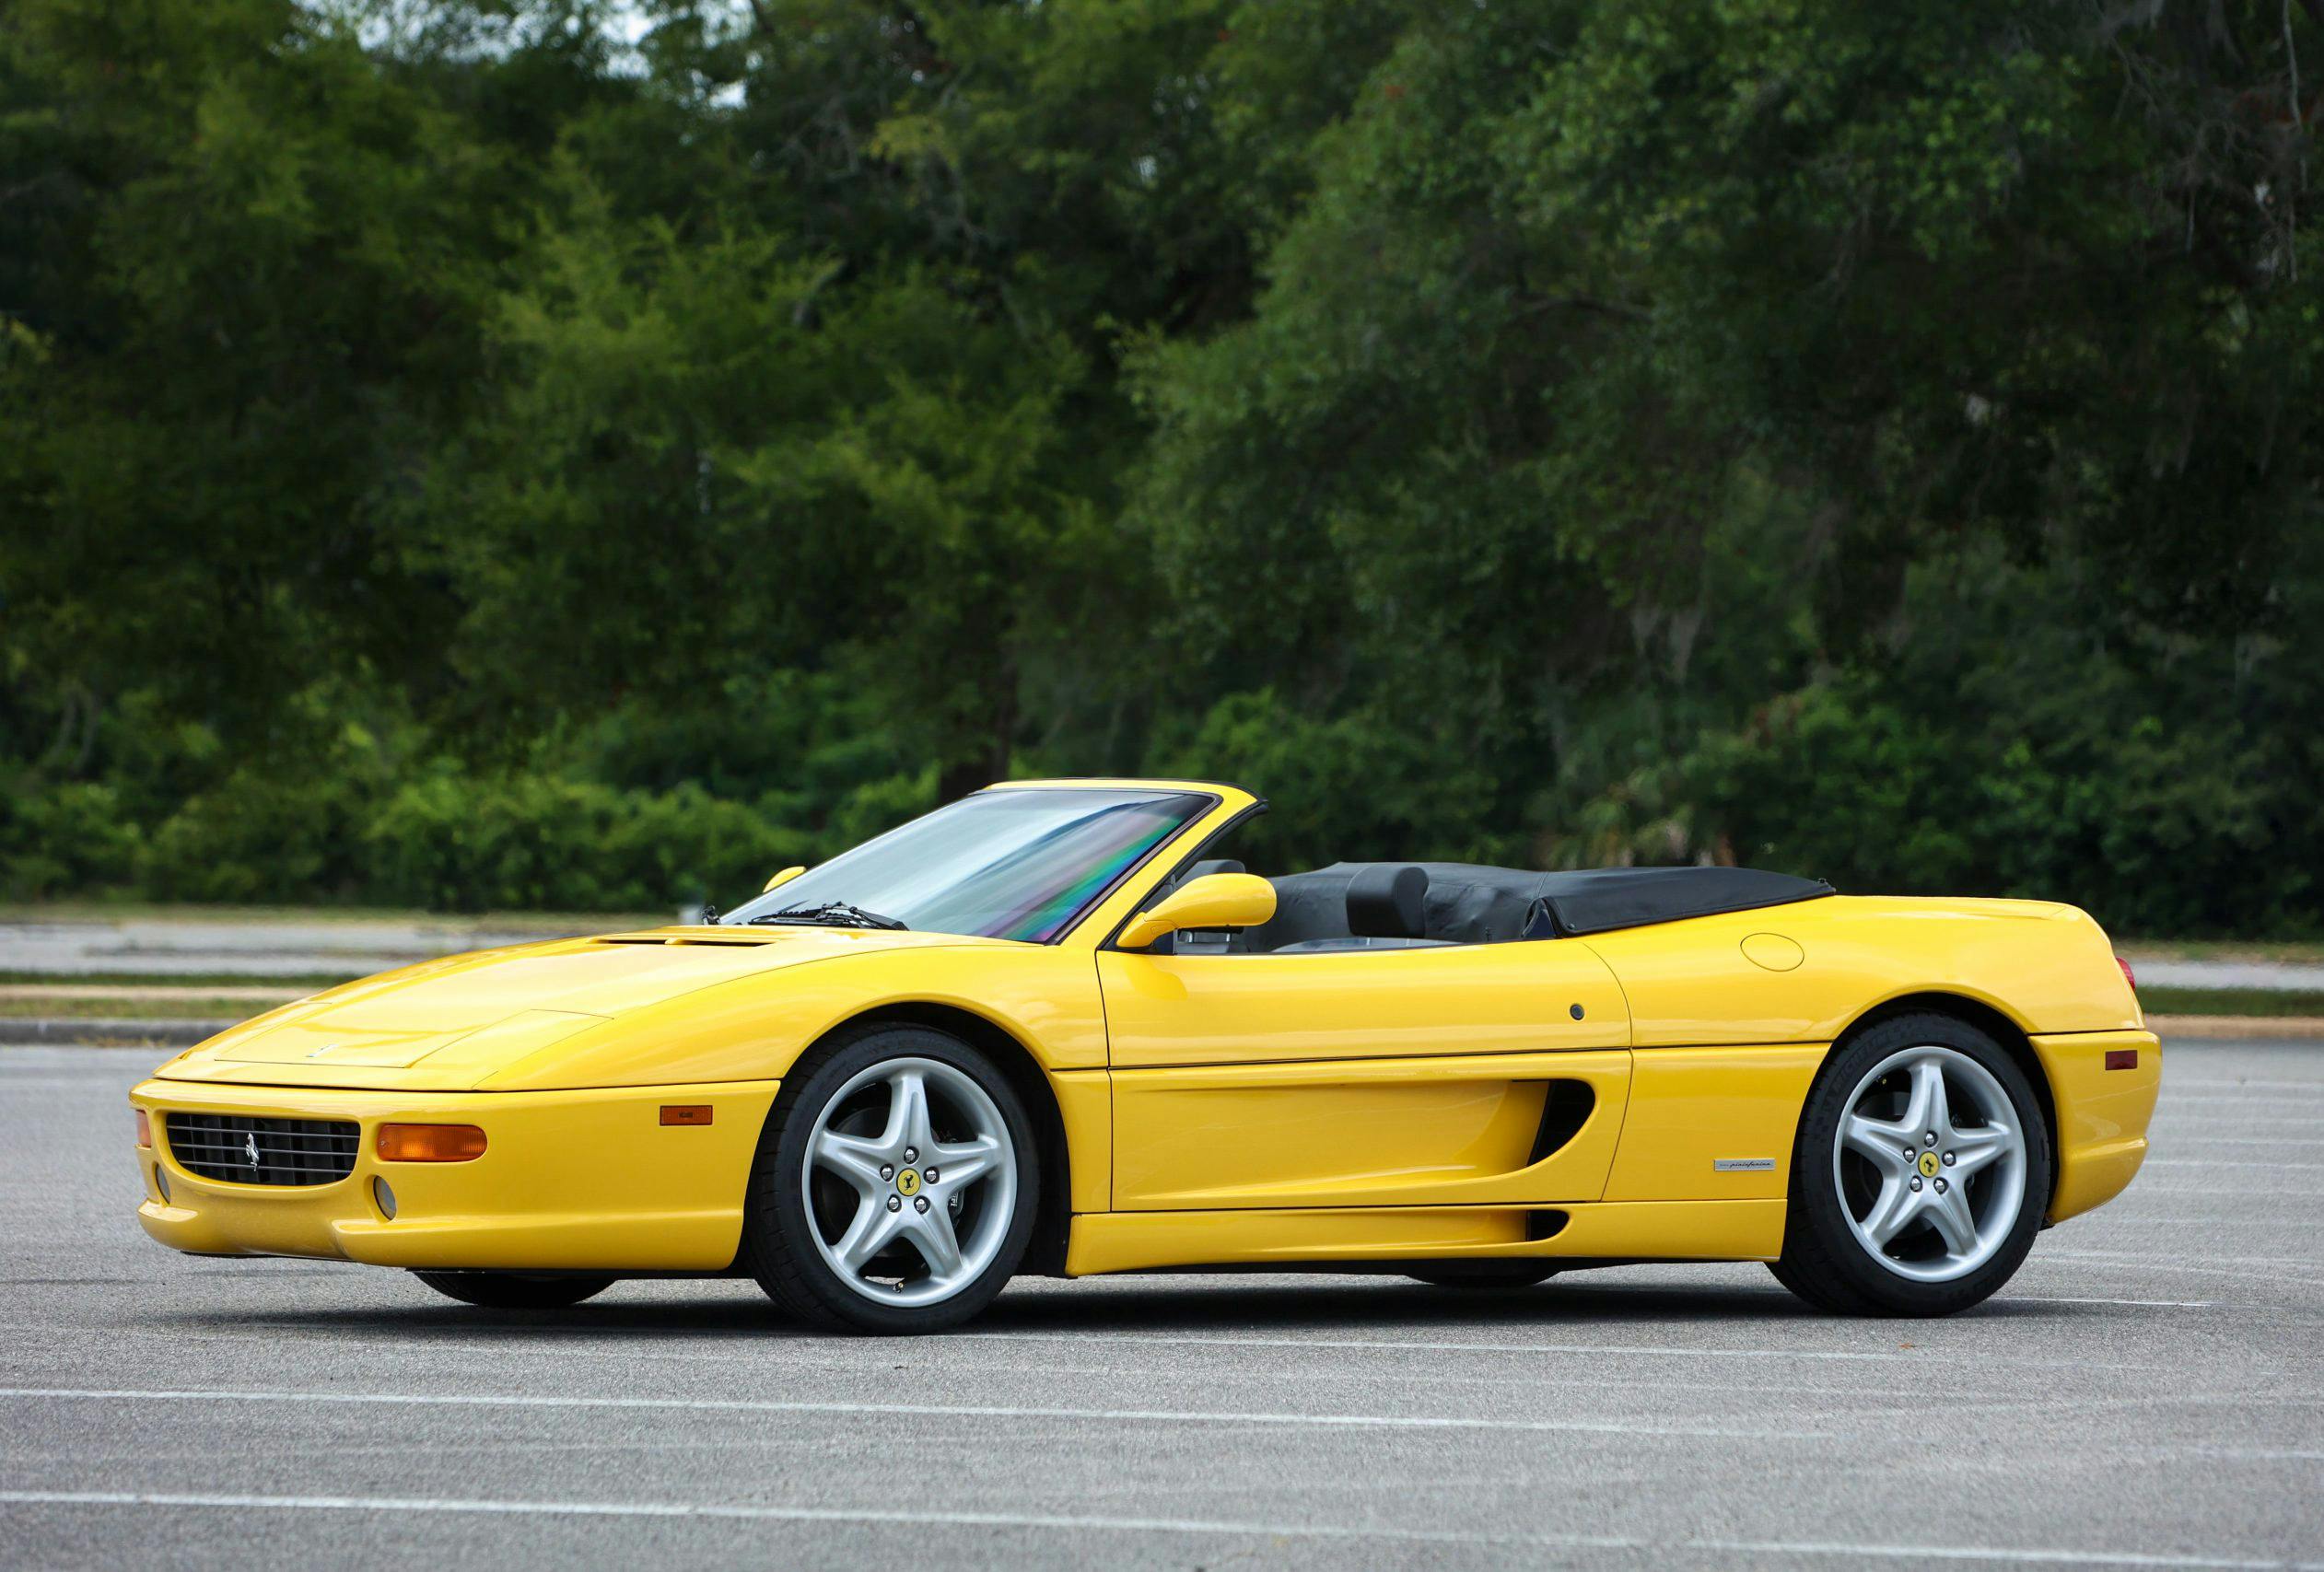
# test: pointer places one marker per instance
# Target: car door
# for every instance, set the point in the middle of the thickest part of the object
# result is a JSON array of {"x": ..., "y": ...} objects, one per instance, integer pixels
[{"x": 1440, "y": 1075}]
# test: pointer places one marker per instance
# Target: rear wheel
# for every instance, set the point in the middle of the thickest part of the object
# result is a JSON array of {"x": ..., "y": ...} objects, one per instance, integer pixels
[
  {"x": 515, "y": 1291},
  {"x": 896, "y": 1187},
  {"x": 1920, "y": 1173},
  {"x": 1482, "y": 1274}
]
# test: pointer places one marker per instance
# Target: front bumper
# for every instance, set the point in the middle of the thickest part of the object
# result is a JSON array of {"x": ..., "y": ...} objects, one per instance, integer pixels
[{"x": 589, "y": 1180}]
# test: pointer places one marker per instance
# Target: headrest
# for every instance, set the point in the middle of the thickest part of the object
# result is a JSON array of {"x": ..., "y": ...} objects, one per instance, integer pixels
[{"x": 1388, "y": 901}]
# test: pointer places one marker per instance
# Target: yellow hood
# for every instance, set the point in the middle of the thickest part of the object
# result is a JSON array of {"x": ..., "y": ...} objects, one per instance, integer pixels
[{"x": 447, "y": 1024}]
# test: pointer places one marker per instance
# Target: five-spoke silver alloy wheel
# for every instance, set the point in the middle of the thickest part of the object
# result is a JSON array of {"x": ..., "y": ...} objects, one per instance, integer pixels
[
  {"x": 911, "y": 1182},
  {"x": 1930, "y": 1164}
]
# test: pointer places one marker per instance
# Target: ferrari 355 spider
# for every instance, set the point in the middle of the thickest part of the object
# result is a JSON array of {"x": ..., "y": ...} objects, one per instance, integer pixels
[{"x": 1053, "y": 1028}]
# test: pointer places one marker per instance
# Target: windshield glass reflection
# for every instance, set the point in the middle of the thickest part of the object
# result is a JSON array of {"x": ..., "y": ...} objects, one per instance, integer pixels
[{"x": 1018, "y": 863}]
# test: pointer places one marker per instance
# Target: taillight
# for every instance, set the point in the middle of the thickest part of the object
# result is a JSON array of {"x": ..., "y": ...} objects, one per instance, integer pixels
[
  {"x": 430, "y": 1143},
  {"x": 2128, "y": 975}
]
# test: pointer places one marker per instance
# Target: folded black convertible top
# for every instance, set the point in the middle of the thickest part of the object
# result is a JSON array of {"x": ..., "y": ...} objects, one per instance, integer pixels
[
  {"x": 1470, "y": 903},
  {"x": 1592, "y": 900}
]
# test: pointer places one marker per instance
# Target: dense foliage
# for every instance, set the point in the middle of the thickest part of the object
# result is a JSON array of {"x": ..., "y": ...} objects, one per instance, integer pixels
[{"x": 494, "y": 452}]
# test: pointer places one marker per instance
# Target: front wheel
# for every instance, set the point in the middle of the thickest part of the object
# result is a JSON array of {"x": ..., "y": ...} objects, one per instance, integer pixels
[
  {"x": 515, "y": 1291},
  {"x": 1920, "y": 1174},
  {"x": 896, "y": 1187}
]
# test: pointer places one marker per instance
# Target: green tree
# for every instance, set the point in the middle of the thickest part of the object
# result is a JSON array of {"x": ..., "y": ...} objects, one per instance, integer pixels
[{"x": 485, "y": 450}]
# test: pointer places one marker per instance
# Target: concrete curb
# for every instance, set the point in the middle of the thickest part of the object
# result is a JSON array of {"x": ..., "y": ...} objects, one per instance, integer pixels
[
  {"x": 2300, "y": 1028},
  {"x": 97, "y": 1031}
]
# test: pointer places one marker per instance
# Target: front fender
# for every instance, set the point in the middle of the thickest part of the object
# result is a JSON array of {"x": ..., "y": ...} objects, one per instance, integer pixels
[{"x": 755, "y": 1028}]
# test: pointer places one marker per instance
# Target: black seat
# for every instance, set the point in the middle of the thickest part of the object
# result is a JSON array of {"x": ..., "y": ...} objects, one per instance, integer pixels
[
  {"x": 1388, "y": 901},
  {"x": 1387, "y": 907}
]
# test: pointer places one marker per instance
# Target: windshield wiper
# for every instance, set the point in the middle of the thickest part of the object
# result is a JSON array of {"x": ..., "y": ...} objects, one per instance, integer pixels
[{"x": 832, "y": 915}]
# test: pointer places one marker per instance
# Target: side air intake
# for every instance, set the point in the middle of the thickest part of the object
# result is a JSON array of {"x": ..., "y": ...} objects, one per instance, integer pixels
[{"x": 1566, "y": 1106}]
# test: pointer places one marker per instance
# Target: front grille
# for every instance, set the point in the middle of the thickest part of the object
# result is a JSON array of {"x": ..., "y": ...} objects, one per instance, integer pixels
[{"x": 288, "y": 1152}]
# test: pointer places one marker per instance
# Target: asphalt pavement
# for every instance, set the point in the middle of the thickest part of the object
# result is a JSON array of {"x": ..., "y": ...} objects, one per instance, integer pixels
[{"x": 2148, "y": 1392}]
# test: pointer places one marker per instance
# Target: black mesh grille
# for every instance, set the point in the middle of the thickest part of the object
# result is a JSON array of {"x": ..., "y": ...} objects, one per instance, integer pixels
[{"x": 263, "y": 1151}]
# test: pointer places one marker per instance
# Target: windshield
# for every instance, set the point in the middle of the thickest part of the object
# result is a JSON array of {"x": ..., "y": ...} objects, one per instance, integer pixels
[{"x": 1007, "y": 864}]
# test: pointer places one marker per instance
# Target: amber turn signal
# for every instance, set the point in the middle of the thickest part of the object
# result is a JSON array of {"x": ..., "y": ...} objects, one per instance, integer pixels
[
  {"x": 430, "y": 1143},
  {"x": 145, "y": 1129},
  {"x": 685, "y": 1114}
]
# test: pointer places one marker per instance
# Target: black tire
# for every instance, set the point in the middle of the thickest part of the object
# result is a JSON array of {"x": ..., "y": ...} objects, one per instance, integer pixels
[
  {"x": 780, "y": 1245},
  {"x": 515, "y": 1291},
  {"x": 1825, "y": 1296},
  {"x": 1482, "y": 1274},
  {"x": 1824, "y": 1261}
]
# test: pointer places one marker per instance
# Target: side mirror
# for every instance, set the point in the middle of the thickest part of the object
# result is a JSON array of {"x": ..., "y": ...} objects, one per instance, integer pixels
[
  {"x": 1214, "y": 900},
  {"x": 784, "y": 877}
]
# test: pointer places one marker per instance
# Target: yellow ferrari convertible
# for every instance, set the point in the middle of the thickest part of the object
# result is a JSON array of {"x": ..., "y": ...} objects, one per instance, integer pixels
[{"x": 1054, "y": 1027}]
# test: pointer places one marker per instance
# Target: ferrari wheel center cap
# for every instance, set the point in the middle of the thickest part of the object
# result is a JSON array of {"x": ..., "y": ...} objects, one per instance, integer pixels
[
  {"x": 907, "y": 1182},
  {"x": 1928, "y": 1166}
]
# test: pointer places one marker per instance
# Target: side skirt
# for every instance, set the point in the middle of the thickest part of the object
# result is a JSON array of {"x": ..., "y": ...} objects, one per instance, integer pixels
[{"x": 1661, "y": 1230}]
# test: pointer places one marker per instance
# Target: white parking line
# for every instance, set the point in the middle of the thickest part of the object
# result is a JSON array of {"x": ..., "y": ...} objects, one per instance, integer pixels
[
  {"x": 2218, "y": 1161},
  {"x": 2210, "y": 1104},
  {"x": 2256, "y": 1096},
  {"x": 1594, "y": 1350},
  {"x": 2132, "y": 1256},
  {"x": 820, "y": 1357},
  {"x": 2168, "y": 1119},
  {"x": 2260, "y": 1141},
  {"x": 2139, "y": 1304},
  {"x": 917, "y": 1410},
  {"x": 2012, "y": 1554},
  {"x": 2284, "y": 1273},
  {"x": 2171, "y": 1083},
  {"x": 2142, "y": 1214}
]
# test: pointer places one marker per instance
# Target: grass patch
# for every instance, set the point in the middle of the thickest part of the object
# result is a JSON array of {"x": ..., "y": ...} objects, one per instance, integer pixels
[
  {"x": 548, "y": 924},
  {"x": 224, "y": 1011},
  {"x": 293, "y": 982},
  {"x": 2231, "y": 1001},
  {"x": 2297, "y": 950}
]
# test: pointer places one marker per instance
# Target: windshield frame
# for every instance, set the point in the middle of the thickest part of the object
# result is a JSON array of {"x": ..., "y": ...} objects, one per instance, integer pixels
[{"x": 1204, "y": 804}]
